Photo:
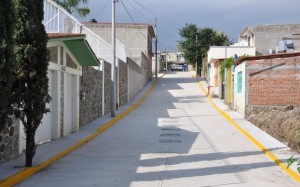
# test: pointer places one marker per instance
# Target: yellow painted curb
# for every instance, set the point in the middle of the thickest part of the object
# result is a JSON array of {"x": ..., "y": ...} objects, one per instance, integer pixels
[
  {"x": 267, "y": 152},
  {"x": 27, "y": 172}
]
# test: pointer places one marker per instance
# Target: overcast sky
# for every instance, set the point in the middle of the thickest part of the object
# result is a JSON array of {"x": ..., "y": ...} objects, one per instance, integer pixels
[{"x": 228, "y": 16}]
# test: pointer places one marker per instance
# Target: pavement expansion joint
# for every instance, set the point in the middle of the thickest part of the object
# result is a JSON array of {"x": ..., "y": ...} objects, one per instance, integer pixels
[
  {"x": 170, "y": 129},
  {"x": 169, "y": 141},
  {"x": 170, "y": 135}
]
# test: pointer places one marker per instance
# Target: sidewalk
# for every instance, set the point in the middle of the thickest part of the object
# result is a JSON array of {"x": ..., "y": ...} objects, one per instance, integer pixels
[{"x": 280, "y": 150}]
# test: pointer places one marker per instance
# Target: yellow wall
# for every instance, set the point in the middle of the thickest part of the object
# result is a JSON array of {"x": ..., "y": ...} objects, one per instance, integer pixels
[{"x": 228, "y": 85}]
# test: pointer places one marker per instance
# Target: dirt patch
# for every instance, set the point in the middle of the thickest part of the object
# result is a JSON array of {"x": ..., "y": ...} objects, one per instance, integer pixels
[{"x": 283, "y": 123}]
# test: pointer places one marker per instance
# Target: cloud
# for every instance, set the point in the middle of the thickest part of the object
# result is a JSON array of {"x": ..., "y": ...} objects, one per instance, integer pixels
[{"x": 230, "y": 16}]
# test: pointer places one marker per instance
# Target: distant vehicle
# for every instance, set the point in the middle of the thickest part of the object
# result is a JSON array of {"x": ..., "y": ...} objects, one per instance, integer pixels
[{"x": 176, "y": 67}]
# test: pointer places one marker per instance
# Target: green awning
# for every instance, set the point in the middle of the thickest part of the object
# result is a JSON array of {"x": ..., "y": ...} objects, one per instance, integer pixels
[{"x": 82, "y": 51}]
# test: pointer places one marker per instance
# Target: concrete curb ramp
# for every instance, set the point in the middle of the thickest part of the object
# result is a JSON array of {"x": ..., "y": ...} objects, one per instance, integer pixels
[
  {"x": 267, "y": 152},
  {"x": 27, "y": 172}
]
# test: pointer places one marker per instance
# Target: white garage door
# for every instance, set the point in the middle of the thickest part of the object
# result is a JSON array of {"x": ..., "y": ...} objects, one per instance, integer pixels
[{"x": 44, "y": 131}]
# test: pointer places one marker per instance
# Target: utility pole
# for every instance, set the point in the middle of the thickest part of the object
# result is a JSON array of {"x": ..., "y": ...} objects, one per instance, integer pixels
[
  {"x": 156, "y": 68},
  {"x": 113, "y": 63},
  {"x": 196, "y": 54},
  {"x": 166, "y": 61}
]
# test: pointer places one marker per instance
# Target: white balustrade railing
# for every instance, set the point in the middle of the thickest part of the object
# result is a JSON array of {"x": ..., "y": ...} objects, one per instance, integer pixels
[{"x": 58, "y": 20}]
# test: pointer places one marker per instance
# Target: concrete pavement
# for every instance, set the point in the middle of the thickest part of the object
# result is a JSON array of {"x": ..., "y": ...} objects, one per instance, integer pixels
[{"x": 174, "y": 138}]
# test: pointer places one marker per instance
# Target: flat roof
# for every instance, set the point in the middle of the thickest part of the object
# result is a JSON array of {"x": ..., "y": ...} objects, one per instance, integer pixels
[{"x": 269, "y": 56}]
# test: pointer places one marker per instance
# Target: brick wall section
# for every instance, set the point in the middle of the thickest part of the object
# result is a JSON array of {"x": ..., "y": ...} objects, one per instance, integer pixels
[
  {"x": 91, "y": 84},
  {"x": 9, "y": 140},
  {"x": 278, "y": 86},
  {"x": 123, "y": 82},
  {"x": 107, "y": 88}
]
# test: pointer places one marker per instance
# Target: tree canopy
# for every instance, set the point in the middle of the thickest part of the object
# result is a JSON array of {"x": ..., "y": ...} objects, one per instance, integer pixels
[
  {"x": 32, "y": 81},
  {"x": 195, "y": 42},
  {"x": 75, "y": 6},
  {"x": 7, "y": 59}
]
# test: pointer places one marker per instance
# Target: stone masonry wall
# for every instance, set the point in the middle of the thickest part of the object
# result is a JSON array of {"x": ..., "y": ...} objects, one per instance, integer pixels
[
  {"x": 278, "y": 86},
  {"x": 107, "y": 88},
  {"x": 91, "y": 84},
  {"x": 123, "y": 82},
  {"x": 9, "y": 140}
]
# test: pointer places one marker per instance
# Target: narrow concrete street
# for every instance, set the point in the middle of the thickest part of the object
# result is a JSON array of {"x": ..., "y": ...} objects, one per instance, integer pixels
[{"x": 174, "y": 138}]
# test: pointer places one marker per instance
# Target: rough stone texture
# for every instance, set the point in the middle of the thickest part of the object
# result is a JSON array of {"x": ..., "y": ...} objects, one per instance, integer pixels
[
  {"x": 123, "y": 82},
  {"x": 107, "y": 88},
  {"x": 281, "y": 122},
  {"x": 91, "y": 85},
  {"x": 9, "y": 140}
]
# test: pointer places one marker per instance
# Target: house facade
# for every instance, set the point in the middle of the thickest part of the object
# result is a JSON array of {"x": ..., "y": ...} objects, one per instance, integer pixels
[
  {"x": 266, "y": 38},
  {"x": 267, "y": 81},
  {"x": 68, "y": 54},
  {"x": 79, "y": 75},
  {"x": 215, "y": 56}
]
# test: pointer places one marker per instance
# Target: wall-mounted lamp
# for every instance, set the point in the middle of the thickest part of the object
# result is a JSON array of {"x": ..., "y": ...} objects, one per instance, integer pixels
[{"x": 82, "y": 95}]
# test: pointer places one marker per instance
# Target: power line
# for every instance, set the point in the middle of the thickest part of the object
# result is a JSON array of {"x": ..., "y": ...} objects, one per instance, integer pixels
[
  {"x": 156, "y": 14},
  {"x": 167, "y": 34},
  {"x": 146, "y": 18},
  {"x": 101, "y": 11},
  {"x": 160, "y": 43},
  {"x": 132, "y": 19}
]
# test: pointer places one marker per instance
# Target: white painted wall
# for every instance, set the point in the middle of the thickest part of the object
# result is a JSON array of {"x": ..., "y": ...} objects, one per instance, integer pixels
[
  {"x": 222, "y": 52},
  {"x": 134, "y": 37},
  {"x": 51, "y": 123},
  {"x": 44, "y": 131},
  {"x": 159, "y": 64},
  {"x": 239, "y": 102}
]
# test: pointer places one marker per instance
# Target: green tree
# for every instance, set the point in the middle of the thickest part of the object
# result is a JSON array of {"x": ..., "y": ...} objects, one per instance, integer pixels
[
  {"x": 195, "y": 42},
  {"x": 7, "y": 60},
  {"x": 74, "y": 6},
  {"x": 32, "y": 81}
]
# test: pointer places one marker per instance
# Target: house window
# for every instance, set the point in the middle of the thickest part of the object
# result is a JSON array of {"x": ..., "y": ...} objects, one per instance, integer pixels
[
  {"x": 239, "y": 82},
  {"x": 249, "y": 41},
  {"x": 70, "y": 62},
  {"x": 53, "y": 55}
]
